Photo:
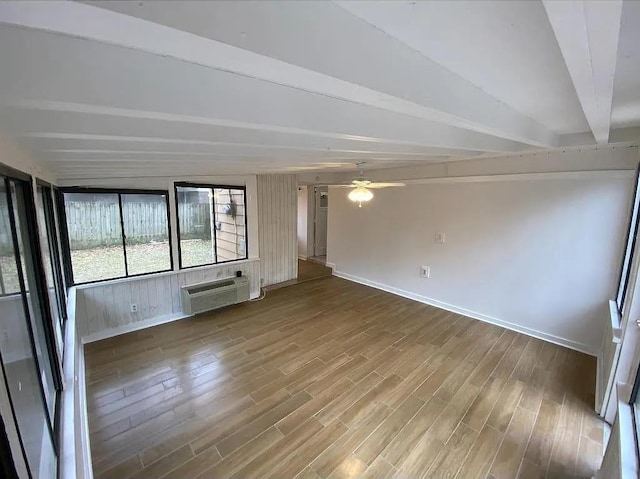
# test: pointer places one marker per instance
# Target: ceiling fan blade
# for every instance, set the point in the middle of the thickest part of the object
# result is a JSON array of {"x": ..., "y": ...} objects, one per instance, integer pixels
[
  {"x": 384, "y": 185},
  {"x": 361, "y": 182}
]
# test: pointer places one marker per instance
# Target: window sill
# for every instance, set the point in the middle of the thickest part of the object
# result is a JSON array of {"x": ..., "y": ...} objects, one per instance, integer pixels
[{"x": 162, "y": 274}]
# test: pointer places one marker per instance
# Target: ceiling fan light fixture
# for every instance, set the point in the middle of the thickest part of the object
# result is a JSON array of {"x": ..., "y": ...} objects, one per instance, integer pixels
[{"x": 360, "y": 194}]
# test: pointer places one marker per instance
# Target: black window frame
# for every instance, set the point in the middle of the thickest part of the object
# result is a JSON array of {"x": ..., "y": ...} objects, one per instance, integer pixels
[
  {"x": 64, "y": 233},
  {"x": 7, "y": 464},
  {"x": 183, "y": 184},
  {"x": 629, "y": 245},
  {"x": 634, "y": 401},
  {"x": 49, "y": 192},
  {"x": 51, "y": 354}
]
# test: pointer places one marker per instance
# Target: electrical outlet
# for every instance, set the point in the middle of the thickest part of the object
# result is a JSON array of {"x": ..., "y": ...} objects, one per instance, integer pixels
[
  {"x": 440, "y": 238},
  {"x": 425, "y": 271},
  {"x": 134, "y": 307},
  {"x": 261, "y": 281}
]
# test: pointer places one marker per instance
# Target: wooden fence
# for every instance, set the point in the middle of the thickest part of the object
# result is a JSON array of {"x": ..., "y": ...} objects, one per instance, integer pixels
[
  {"x": 93, "y": 224},
  {"x": 97, "y": 224}
]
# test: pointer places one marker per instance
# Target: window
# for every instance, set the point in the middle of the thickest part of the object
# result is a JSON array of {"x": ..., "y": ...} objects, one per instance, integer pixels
[
  {"x": 51, "y": 261},
  {"x": 29, "y": 359},
  {"x": 630, "y": 245},
  {"x": 115, "y": 234},
  {"x": 212, "y": 224}
]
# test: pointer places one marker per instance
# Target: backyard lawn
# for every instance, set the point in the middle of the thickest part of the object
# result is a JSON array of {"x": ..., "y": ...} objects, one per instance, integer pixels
[{"x": 108, "y": 262}]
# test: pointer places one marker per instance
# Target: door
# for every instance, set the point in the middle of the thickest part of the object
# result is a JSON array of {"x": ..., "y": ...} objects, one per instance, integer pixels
[{"x": 320, "y": 220}]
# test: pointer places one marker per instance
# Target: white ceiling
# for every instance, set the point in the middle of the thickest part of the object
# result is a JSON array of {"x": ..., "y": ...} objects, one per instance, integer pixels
[{"x": 122, "y": 89}]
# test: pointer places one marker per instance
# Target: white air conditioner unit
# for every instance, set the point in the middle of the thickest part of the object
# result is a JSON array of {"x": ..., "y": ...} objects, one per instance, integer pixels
[{"x": 202, "y": 297}]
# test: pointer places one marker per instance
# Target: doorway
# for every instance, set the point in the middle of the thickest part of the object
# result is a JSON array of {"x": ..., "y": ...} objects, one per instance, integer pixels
[{"x": 320, "y": 213}]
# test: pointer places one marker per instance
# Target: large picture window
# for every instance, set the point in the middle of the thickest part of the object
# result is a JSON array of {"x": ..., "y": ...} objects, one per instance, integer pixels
[
  {"x": 27, "y": 352},
  {"x": 212, "y": 224},
  {"x": 116, "y": 234}
]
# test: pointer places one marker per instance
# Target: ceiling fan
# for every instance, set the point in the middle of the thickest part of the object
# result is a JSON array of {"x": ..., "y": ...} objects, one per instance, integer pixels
[{"x": 361, "y": 192}]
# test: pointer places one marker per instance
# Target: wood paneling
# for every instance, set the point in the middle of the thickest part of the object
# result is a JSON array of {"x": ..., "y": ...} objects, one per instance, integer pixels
[
  {"x": 332, "y": 379},
  {"x": 101, "y": 307},
  {"x": 277, "y": 227}
]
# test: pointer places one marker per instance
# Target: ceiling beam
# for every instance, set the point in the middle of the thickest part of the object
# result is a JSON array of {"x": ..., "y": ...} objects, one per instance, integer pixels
[
  {"x": 146, "y": 132},
  {"x": 588, "y": 33},
  {"x": 417, "y": 94}
]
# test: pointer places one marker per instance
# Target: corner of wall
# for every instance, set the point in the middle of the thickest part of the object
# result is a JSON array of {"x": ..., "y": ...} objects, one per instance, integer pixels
[{"x": 14, "y": 157}]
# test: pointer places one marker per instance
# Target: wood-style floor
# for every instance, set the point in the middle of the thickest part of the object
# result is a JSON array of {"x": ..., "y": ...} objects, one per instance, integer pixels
[
  {"x": 329, "y": 378},
  {"x": 308, "y": 270}
]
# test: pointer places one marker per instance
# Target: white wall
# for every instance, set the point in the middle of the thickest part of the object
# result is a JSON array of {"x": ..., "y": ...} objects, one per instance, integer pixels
[
  {"x": 537, "y": 256},
  {"x": 12, "y": 156},
  {"x": 302, "y": 222}
]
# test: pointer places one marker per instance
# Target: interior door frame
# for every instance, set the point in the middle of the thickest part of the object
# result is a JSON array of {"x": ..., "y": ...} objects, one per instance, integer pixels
[{"x": 316, "y": 208}]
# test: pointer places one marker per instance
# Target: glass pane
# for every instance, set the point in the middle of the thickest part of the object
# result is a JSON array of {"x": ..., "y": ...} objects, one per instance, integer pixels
[
  {"x": 146, "y": 233},
  {"x": 8, "y": 274},
  {"x": 95, "y": 236},
  {"x": 20, "y": 367},
  {"x": 37, "y": 316},
  {"x": 629, "y": 248},
  {"x": 230, "y": 224},
  {"x": 51, "y": 208},
  {"x": 196, "y": 228},
  {"x": 48, "y": 263}
]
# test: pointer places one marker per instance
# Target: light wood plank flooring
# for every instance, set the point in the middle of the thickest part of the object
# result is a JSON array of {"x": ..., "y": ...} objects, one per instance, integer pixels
[
  {"x": 308, "y": 270},
  {"x": 332, "y": 379}
]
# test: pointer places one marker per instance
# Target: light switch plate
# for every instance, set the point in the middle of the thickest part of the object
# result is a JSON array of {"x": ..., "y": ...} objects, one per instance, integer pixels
[{"x": 440, "y": 238}]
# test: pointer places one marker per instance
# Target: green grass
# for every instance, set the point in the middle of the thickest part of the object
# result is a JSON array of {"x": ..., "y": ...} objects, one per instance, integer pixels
[
  {"x": 104, "y": 263},
  {"x": 108, "y": 262}
]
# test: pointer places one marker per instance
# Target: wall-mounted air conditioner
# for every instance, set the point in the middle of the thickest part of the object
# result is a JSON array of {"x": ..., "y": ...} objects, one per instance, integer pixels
[{"x": 202, "y": 297}]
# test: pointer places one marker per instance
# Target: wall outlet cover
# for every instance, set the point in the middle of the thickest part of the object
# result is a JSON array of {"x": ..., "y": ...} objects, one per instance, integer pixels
[
  {"x": 440, "y": 238},
  {"x": 134, "y": 307}
]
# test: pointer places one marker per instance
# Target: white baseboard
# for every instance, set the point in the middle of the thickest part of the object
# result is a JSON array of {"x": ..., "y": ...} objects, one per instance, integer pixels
[
  {"x": 332, "y": 266},
  {"x": 131, "y": 327},
  {"x": 568, "y": 343},
  {"x": 302, "y": 257}
]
